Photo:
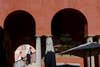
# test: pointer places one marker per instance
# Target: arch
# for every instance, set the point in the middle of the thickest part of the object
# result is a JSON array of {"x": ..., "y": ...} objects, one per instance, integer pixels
[
  {"x": 23, "y": 20},
  {"x": 19, "y": 27},
  {"x": 70, "y": 22},
  {"x": 23, "y": 49},
  {"x": 20, "y": 24}
]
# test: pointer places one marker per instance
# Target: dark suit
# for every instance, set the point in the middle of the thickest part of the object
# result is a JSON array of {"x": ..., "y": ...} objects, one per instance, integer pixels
[{"x": 50, "y": 59}]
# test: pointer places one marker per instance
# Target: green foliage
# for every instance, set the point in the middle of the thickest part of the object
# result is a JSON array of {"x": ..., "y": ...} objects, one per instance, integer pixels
[
  {"x": 65, "y": 39},
  {"x": 66, "y": 42}
]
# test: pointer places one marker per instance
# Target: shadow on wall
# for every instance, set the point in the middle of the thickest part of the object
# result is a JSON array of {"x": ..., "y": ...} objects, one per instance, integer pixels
[{"x": 3, "y": 52}]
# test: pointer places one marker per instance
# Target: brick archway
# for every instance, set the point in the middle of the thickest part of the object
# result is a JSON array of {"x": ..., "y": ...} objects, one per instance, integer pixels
[
  {"x": 19, "y": 27},
  {"x": 70, "y": 21},
  {"x": 69, "y": 27}
]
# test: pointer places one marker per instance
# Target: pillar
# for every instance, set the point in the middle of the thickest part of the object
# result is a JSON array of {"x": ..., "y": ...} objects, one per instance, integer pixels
[
  {"x": 49, "y": 44},
  {"x": 50, "y": 59},
  {"x": 92, "y": 62},
  {"x": 38, "y": 52}
]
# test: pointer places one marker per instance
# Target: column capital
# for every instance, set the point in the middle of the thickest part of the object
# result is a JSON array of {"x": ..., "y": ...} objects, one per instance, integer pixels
[
  {"x": 90, "y": 39},
  {"x": 49, "y": 36},
  {"x": 89, "y": 36},
  {"x": 37, "y": 36}
]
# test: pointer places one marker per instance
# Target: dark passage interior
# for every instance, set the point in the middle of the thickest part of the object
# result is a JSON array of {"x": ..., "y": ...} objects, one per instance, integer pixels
[
  {"x": 19, "y": 29},
  {"x": 70, "y": 23},
  {"x": 20, "y": 24}
]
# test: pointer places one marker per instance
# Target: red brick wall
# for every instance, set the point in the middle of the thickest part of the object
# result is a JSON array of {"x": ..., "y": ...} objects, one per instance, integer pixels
[
  {"x": 44, "y": 10},
  {"x": 69, "y": 60}
]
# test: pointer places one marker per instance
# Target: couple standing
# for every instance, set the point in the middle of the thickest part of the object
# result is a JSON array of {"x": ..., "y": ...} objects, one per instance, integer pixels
[{"x": 28, "y": 56}]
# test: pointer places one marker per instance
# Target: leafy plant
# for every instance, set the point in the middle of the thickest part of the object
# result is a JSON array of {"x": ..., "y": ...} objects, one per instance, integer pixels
[{"x": 66, "y": 42}]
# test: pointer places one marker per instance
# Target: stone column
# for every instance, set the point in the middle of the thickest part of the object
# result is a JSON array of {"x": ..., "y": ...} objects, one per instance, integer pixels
[
  {"x": 38, "y": 52},
  {"x": 49, "y": 44},
  {"x": 50, "y": 54},
  {"x": 92, "y": 62}
]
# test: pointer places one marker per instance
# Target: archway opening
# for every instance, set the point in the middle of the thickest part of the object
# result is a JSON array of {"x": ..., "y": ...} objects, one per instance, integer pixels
[
  {"x": 19, "y": 24},
  {"x": 25, "y": 53},
  {"x": 19, "y": 28},
  {"x": 69, "y": 26}
]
